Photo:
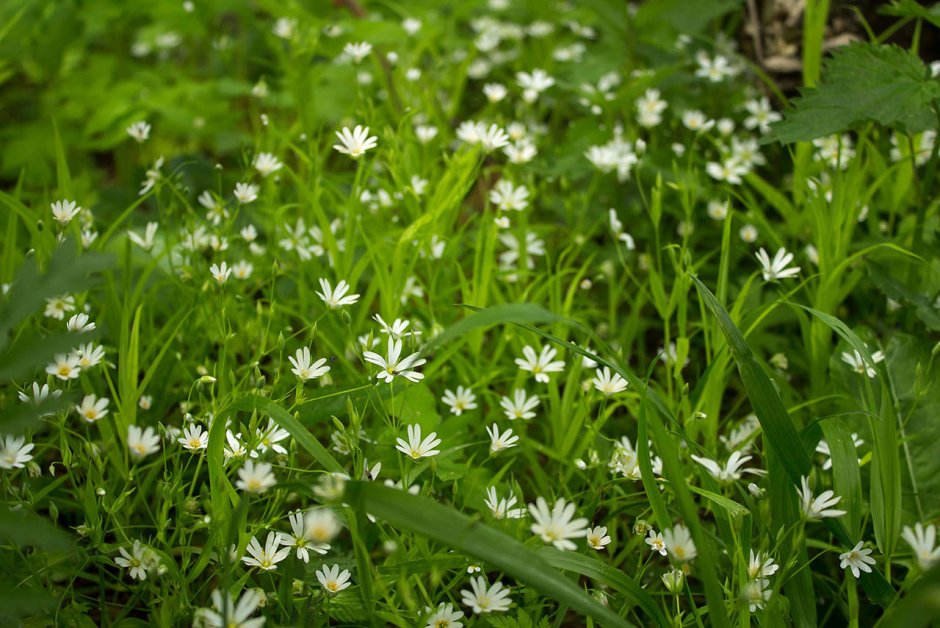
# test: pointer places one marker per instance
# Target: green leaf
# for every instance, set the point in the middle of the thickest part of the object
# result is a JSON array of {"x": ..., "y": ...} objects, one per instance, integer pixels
[
  {"x": 862, "y": 83},
  {"x": 494, "y": 315},
  {"x": 909, "y": 8},
  {"x": 603, "y": 573},
  {"x": 454, "y": 529},
  {"x": 845, "y": 472},
  {"x": 732, "y": 507},
  {"x": 23, "y": 527},
  {"x": 779, "y": 432},
  {"x": 920, "y": 607}
]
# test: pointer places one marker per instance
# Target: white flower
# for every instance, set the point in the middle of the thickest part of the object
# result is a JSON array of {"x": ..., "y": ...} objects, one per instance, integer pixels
[
  {"x": 357, "y": 51},
  {"x": 242, "y": 269},
  {"x": 656, "y": 542},
  {"x": 492, "y": 138},
  {"x": 14, "y": 453},
  {"x": 332, "y": 580},
  {"x": 502, "y": 508},
  {"x": 540, "y": 365},
  {"x": 229, "y": 613},
  {"x": 269, "y": 437},
  {"x": 819, "y": 507},
  {"x": 756, "y": 593},
  {"x": 607, "y": 383},
  {"x": 411, "y": 25},
  {"x": 730, "y": 170},
  {"x": 417, "y": 448},
  {"x": 500, "y": 441},
  {"x": 356, "y": 142},
  {"x": 57, "y": 307},
  {"x": 857, "y": 560},
  {"x": 92, "y": 409},
  {"x": 445, "y": 617},
  {"x": 695, "y": 120},
  {"x": 533, "y": 83},
  {"x": 194, "y": 438},
  {"x": 136, "y": 561},
  {"x": 235, "y": 448},
  {"x": 303, "y": 369},
  {"x": 266, "y": 163},
  {"x": 823, "y": 448},
  {"x": 748, "y": 233},
  {"x": 140, "y": 131},
  {"x": 322, "y": 526},
  {"x": 494, "y": 92},
  {"x": 597, "y": 538},
  {"x": 425, "y": 133},
  {"x": 486, "y": 599},
  {"x": 858, "y": 363},
  {"x": 762, "y": 116},
  {"x": 679, "y": 543},
  {"x": 393, "y": 364},
  {"x": 255, "y": 477},
  {"x": 246, "y": 192},
  {"x": 145, "y": 242},
  {"x": 520, "y": 406},
  {"x": 508, "y": 197},
  {"x": 80, "y": 324},
  {"x": 556, "y": 526},
  {"x": 300, "y": 537},
  {"x": 284, "y": 27},
  {"x": 40, "y": 394},
  {"x": 335, "y": 299},
  {"x": 761, "y": 565},
  {"x": 65, "y": 367},
  {"x": 922, "y": 541},
  {"x": 396, "y": 329},
  {"x": 265, "y": 558},
  {"x": 777, "y": 268},
  {"x": 463, "y": 399},
  {"x": 65, "y": 211},
  {"x": 220, "y": 272},
  {"x": 142, "y": 442},
  {"x": 732, "y": 470},
  {"x": 650, "y": 108}
]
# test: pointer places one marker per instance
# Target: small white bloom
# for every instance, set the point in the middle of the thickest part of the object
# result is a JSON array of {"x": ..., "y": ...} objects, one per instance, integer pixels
[
  {"x": 922, "y": 540},
  {"x": 417, "y": 448},
  {"x": 777, "y": 267},
  {"x": 332, "y": 579},
  {"x": 463, "y": 399},
  {"x": 609, "y": 384},
  {"x": 266, "y": 164},
  {"x": 14, "y": 452},
  {"x": 140, "y": 131},
  {"x": 93, "y": 409},
  {"x": 502, "y": 508},
  {"x": 542, "y": 364},
  {"x": 394, "y": 364},
  {"x": 142, "y": 443},
  {"x": 656, "y": 542},
  {"x": 597, "y": 538},
  {"x": 357, "y": 51},
  {"x": 246, "y": 192},
  {"x": 265, "y": 558},
  {"x": 220, "y": 273},
  {"x": 194, "y": 438},
  {"x": 337, "y": 298},
  {"x": 485, "y": 598},
  {"x": 500, "y": 441},
  {"x": 303, "y": 369},
  {"x": 520, "y": 406},
  {"x": 818, "y": 507},
  {"x": 65, "y": 211},
  {"x": 556, "y": 526},
  {"x": 355, "y": 143},
  {"x": 857, "y": 560},
  {"x": 679, "y": 543}
]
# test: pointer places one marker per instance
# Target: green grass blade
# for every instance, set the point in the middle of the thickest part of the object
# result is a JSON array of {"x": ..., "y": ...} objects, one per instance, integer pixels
[
  {"x": 454, "y": 529},
  {"x": 779, "y": 431},
  {"x": 605, "y": 574},
  {"x": 301, "y": 434}
]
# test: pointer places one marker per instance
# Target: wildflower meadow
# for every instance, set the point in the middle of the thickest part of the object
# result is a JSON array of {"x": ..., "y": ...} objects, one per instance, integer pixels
[{"x": 469, "y": 313}]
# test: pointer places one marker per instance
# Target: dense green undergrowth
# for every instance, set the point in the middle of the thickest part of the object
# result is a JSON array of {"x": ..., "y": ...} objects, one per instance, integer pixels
[{"x": 482, "y": 313}]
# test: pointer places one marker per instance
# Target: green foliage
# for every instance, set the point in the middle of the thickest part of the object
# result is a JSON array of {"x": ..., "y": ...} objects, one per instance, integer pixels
[{"x": 864, "y": 83}]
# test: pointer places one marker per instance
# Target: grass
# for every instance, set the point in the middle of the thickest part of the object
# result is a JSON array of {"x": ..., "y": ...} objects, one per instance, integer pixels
[{"x": 559, "y": 286}]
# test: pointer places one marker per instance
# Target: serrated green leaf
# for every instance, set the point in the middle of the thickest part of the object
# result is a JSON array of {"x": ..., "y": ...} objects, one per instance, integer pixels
[{"x": 863, "y": 83}]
